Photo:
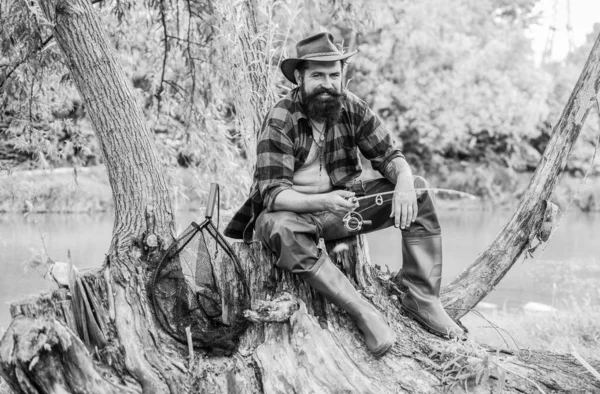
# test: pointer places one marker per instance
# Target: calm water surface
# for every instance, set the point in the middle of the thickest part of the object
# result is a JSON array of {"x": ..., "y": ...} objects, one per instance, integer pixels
[{"x": 466, "y": 235}]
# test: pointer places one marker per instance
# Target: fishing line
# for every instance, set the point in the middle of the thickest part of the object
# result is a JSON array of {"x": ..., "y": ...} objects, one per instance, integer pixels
[
  {"x": 353, "y": 221},
  {"x": 418, "y": 189}
]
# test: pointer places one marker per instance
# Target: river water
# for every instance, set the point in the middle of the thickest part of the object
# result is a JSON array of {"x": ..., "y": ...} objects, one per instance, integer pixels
[{"x": 466, "y": 235}]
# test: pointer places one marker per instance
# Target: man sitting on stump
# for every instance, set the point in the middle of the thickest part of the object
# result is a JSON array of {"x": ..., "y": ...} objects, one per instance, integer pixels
[{"x": 305, "y": 181}]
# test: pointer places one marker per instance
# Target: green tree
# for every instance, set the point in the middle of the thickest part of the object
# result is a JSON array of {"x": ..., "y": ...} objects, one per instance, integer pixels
[{"x": 457, "y": 77}]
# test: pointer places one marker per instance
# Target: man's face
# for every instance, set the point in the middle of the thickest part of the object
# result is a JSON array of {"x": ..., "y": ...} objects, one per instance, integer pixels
[
  {"x": 326, "y": 75},
  {"x": 321, "y": 88}
]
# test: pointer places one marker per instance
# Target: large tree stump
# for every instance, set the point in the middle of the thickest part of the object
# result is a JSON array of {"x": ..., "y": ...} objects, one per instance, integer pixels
[{"x": 298, "y": 342}]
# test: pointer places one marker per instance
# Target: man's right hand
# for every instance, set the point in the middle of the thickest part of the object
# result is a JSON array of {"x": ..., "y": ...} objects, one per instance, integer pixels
[{"x": 340, "y": 202}]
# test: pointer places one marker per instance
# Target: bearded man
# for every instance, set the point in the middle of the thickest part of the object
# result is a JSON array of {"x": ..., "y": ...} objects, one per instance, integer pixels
[{"x": 305, "y": 181}]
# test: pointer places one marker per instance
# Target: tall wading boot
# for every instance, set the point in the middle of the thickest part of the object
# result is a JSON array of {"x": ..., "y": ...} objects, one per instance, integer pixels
[
  {"x": 422, "y": 275},
  {"x": 328, "y": 280}
]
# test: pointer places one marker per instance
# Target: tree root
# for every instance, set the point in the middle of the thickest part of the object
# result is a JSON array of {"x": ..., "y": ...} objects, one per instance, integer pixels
[
  {"x": 278, "y": 310},
  {"x": 43, "y": 355}
]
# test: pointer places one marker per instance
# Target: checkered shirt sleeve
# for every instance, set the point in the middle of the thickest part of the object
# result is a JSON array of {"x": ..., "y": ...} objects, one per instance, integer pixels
[
  {"x": 275, "y": 156},
  {"x": 372, "y": 138}
]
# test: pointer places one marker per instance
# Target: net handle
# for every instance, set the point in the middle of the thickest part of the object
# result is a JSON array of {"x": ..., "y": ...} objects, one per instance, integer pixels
[{"x": 212, "y": 198}]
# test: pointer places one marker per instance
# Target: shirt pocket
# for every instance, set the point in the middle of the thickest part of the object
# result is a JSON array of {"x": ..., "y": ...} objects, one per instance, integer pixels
[{"x": 345, "y": 158}]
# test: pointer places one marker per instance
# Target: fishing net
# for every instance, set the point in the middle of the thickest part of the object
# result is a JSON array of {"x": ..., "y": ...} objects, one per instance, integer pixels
[{"x": 199, "y": 286}]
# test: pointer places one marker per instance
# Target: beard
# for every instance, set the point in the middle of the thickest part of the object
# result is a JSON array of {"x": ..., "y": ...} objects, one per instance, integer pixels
[{"x": 323, "y": 109}]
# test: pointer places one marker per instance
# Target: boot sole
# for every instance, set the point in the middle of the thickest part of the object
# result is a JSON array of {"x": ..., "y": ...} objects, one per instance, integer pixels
[
  {"x": 383, "y": 350},
  {"x": 410, "y": 314}
]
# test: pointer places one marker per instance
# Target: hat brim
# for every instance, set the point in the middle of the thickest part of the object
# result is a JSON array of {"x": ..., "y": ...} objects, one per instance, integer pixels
[{"x": 289, "y": 65}]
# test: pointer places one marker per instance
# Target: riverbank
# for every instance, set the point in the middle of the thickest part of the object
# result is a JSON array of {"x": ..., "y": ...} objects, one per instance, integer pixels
[
  {"x": 87, "y": 190},
  {"x": 560, "y": 331}
]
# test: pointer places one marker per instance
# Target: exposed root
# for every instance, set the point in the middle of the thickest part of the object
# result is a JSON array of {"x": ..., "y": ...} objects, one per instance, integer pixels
[{"x": 278, "y": 310}]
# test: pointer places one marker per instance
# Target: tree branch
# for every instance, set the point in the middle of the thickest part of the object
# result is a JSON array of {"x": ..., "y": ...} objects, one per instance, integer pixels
[
  {"x": 25, "y": 59},
  {"x": 163, "y": 21}
]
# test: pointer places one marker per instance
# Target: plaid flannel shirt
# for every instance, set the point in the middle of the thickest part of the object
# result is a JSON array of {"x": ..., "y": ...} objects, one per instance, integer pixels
[{"x": 283, "y": 145}]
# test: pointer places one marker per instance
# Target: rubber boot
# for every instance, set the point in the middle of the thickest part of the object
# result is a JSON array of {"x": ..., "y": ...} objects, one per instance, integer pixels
[
  {"x": 422, "y": 275},
  {"x": 328, "y": 280}
]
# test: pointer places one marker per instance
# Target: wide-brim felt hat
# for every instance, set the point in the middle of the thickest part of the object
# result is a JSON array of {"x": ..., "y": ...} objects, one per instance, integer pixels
[{"x": 317, "y": 48}]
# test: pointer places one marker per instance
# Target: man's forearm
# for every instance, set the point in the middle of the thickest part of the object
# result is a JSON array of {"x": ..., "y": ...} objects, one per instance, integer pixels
[
  {"x": 293, "y": 201},
  {"x": 397, "y": 168}
]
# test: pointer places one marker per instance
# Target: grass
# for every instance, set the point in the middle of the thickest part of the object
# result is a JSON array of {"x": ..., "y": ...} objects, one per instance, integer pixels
[
  {"x": 57, "y": 191},
  {"x": 570, "y": 328},
  {"x": 572, "y": 286},
  {"x": 562, "y": 331},
  {"x": 467, "y": 364}
]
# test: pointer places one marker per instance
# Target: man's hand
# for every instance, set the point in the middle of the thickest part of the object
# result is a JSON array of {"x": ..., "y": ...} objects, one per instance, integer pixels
[
  {"x": 404, "y": 203},
  {"x": 340, "y": 202}
]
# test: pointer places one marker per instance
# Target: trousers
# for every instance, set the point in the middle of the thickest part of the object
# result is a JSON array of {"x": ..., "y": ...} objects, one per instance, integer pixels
[{"x": 294, "y": 237}]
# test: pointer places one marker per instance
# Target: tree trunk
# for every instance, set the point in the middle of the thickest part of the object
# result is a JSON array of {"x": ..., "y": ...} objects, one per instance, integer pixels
[
  {"x": 101, "y": 336},
  {"x": 137, "y": 181}
]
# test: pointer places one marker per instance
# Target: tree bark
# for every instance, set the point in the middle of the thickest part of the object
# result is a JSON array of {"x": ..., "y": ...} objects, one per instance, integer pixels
[
  {"x": 137, "y": 181},
  {"x": 101, "y": 336}
]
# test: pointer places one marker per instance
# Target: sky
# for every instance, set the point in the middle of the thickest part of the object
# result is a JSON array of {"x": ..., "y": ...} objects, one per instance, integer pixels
[{"x": 584, "y": 13}]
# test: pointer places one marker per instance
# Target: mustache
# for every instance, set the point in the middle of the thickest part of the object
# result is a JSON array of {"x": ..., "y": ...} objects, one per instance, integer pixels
[{"x": 332, "y": 92}]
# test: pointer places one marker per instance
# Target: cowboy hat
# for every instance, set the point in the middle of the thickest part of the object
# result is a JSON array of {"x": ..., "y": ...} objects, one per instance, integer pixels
[{"x": 317, "y": 48}]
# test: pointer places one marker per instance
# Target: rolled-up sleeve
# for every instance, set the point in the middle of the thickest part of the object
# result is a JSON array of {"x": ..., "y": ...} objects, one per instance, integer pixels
[
  {"x": 275, "y": 158},
  {"x": 374, "y": 141}
]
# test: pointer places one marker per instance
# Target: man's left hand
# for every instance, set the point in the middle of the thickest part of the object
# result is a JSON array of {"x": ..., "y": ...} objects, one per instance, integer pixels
[{"x": 404, "y": 203}]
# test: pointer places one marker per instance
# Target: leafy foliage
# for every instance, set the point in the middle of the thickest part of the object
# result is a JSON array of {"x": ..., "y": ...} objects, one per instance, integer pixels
[
  {"x": 37, "y": 111},
  {"x": 564, "y": 76},
  {"x": 454, "y": 81},
  {"x": 458, "y": 76}
]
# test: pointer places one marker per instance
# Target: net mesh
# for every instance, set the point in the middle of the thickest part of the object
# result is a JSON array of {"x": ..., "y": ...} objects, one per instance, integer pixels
[{"x": 199, "y": 284}]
